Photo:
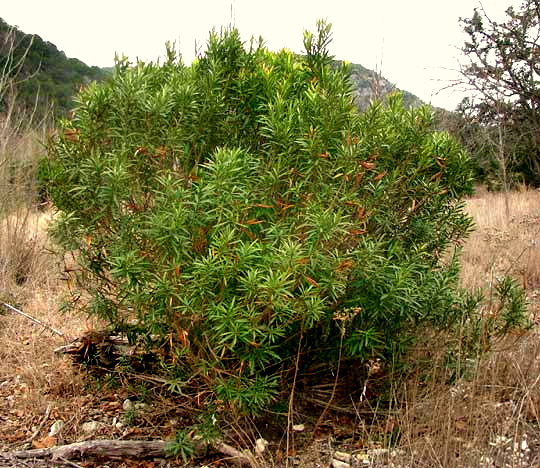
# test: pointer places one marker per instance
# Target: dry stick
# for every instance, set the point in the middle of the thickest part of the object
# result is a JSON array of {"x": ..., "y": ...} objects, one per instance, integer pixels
[
  {"x": 291, "y": 398},
  {"x": 333, "y": 394},
  {"x": 70, "y": 463},
  {"x": 236, "y": 455},
  {"x": 37, "y": 431},
  {"x": 35, "y": 320}
]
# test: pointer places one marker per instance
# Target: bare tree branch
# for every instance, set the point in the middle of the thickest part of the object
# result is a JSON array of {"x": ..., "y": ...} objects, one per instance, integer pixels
[{"x": 33, "y": 319}]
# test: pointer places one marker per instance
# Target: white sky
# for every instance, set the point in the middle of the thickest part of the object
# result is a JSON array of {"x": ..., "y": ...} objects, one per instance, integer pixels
[{"x": 413, "y": 42}]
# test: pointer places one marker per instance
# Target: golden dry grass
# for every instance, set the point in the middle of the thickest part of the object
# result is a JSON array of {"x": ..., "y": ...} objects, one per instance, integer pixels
[
  {"x": 490, "y": 416},
  {"x": 506, "y": 242},
  {"x": 32, "y": 377}
]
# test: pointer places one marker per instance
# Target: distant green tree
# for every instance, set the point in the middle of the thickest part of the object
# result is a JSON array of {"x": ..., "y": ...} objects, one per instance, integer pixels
[{"x": 504, "y": 74}]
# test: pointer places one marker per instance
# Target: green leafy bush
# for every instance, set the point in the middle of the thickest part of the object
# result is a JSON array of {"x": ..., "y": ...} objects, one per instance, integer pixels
[{"x": 242, "y": 212}]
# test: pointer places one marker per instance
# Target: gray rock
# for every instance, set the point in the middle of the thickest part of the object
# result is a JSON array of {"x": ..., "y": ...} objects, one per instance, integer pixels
[
  {"x": 56, "y": 428},
  {"x": 90, "y": 427},
  {"x": 128, "y": 405}
]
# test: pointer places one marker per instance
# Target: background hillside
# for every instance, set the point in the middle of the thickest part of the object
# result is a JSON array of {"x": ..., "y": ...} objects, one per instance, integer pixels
[
  {"x": 45, "y": 74},
  {"x": 369, "y": 84}
]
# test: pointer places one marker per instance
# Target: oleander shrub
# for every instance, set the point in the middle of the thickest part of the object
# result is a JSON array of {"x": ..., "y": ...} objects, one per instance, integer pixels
[{"x": 241, "y": 212}]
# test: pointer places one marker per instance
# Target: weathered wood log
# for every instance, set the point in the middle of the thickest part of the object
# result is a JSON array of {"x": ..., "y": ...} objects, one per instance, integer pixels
[
  {"x": 106, "y": 448},
  {"x": 122, "y": 449}
]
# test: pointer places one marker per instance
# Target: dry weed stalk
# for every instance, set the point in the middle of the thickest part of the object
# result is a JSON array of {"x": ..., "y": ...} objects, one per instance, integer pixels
[
  {"x": 491, "y": 414},
  {"x": 502, "y": 245},
  {"x": 483, "y": 411}
]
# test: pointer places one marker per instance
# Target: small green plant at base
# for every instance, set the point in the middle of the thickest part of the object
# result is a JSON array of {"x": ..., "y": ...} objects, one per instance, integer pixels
[
  {"x": 175, "y": 386},
  {"x": 207, "y": 429},
  {"x": 130, "y": 416},
  {"x": 511, "y": 310},
  {"x": 181, "y": 446}
]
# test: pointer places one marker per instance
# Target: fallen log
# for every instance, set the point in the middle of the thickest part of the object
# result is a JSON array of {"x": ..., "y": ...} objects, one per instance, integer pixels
[
  {"x": 107, "y": 448},
  {"x": 121, "y": 449}
]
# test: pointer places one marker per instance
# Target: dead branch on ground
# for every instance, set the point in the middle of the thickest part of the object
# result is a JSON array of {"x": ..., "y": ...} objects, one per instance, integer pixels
[
  {"x": 121, "y": 449},
  {"x": 33, "y": 319}
]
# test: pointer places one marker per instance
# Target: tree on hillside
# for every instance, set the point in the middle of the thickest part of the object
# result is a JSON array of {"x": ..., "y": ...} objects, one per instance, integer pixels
[
  {"x": 43, "y": 75},
  {"x": 242, "y": 218},
  {"x": 503, "y": 71},
  {"x": 17, "y": 121}
]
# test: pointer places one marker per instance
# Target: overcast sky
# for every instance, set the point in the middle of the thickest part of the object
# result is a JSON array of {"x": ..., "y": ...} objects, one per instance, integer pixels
[{"x": 413, "y": 42}]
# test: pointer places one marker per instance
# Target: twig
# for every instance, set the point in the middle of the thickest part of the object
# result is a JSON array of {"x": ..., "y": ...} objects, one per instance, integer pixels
[
  {"x": 334, "y": 387},
  {"x": 69, "y": 463},
  {"x": 148, "y": 378},
  {"x": 35, "y": 320},
  {"x": 38, "y": 430},
  {"x": 236, "y": 455},
  {"x": 290, "y": 409},
  {"x": 21, "y": 463}
]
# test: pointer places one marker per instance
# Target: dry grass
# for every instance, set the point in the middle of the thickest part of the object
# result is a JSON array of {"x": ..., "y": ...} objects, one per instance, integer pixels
[
  {"x": 31, "y": 376},
  {"x": 506, "y": 242},
  {"x": 490, "y": 416},
  {"x": 25, "y": 264}
]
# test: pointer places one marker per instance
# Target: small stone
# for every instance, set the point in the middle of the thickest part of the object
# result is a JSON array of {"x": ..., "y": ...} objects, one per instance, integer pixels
[
  {"x": 128, "y": 405},
  {"x": 339, "y": 464},
  {"x": 56, "y": 428},
  {"x": 524, "y": 445},
  {"x": 90, "y": 427},
  {"x": 140, "y": 406},
  {"x": 260, "y": 446},
  {"x": 298, "y": 427},
  {"x": 379, "y": 452}
]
